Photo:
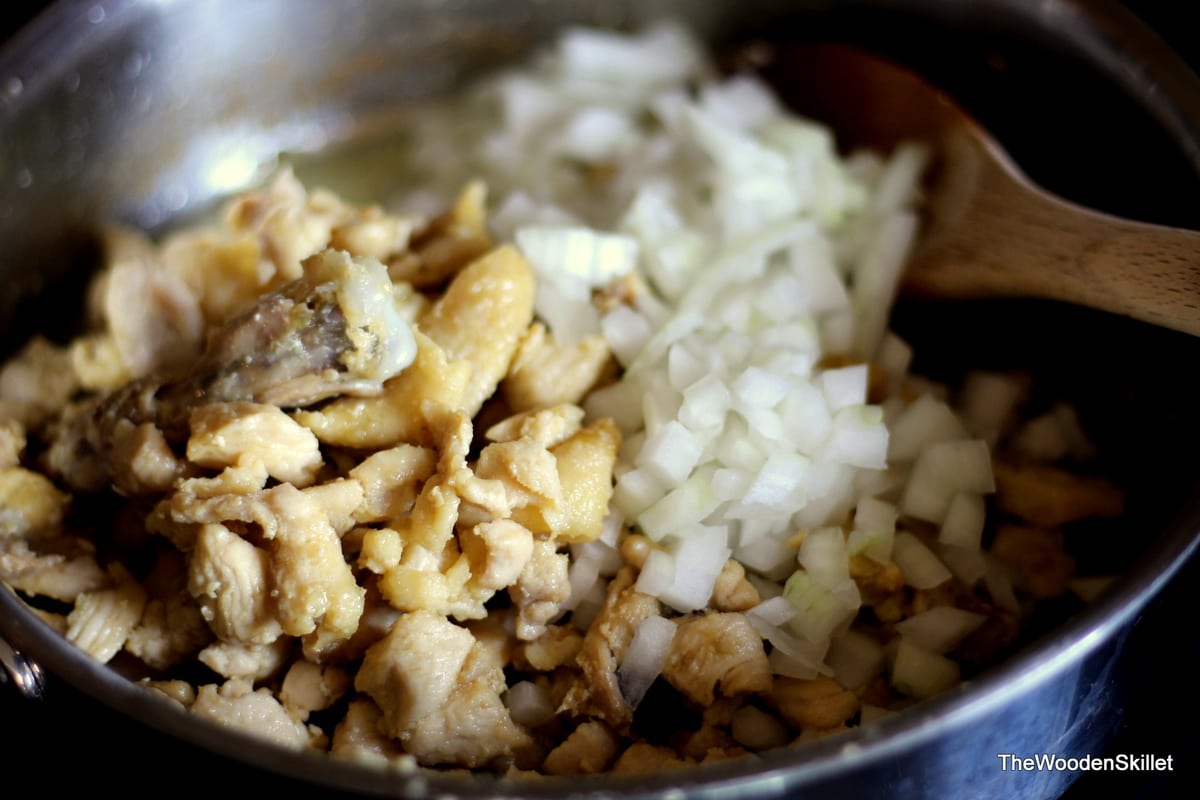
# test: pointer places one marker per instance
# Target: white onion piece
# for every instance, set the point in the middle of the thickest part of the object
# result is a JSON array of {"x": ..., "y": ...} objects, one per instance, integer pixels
[
  {"x": 921, "y": 423},
  {"x": 819, "y": 612},
  {"x": 874, "y": 529},
  {"x": 919, "y": 673},
  {"x": 964, "y": 521},
  {"x": 644, "y": 659},
  {"x": 941, "y": 628},
  {"x": 529, "y": 705},
  {"x": 855, "y": 659},
  {"x": 942, "y": 470},
  {"x": 920, "y": 566}
]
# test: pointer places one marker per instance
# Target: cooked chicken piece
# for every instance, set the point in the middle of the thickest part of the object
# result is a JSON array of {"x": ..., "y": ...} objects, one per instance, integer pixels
[
  {"x": 381, "y": 550},
  {"x": 231, "y": 580},
  {"x": 481, "y": 318},
  {"x": 316, "y": 592},
  {"x": 604, "y": 646},
  {"x": 411, "y": 404},
  {"x": 431, "y": 523},
  {"x": 369, "y": 231},
  {"x": 30, "y": 504},
  {"x": 440, "y": 693},
  {"x": 36, "y": 383},
  {"x": 435, "y": 581},
  {"x": 529, "y": 475},
  {"x": 541, "y": 589},
  {"x": 172, "y": 628},
  {"x": 545, "y": 373},
  {"x": 876, "y": 582},
  {"x": 546, "y": 425},
  {"x": 314, "y": 589},
  {"x": 149, "y": 313},
  {"x": 226, "y": 434},
  {"x": 250, "y": 662},
  {"x": 448, "y": 243},
  {"x": 498, "y": 552},
  {"x": 719, "y": 650},
  {"x": 358, "y": 735},
  {"x": 12, "y": 442},
  {"x": 732, "y": 591},
  {"x": 377, "y": 619},
  {"x": 339, "y": 499},
  {"x": 391, "y": 479},
  {"x": 180, "y": 692},
  {"x": 102, "y": 620},
  {"x": 60, "y": 568},
  {"x": 142, "y": 461},
  {"x": 288, "y": 222},
  {"x": 555, "y": 648},
  {"x": 1035, "y": 558},
  {"x": 585, "y": 469},
  {"x": 313, "y": 687},
  {"x": 333, "y": 331},
  {"x": 820, "y": 703},
  {"x": 236, "y": 704},
  {"x": 644, "y": 757},
  {"x": 1047, "y": 496},
  {"x": 588, "y": 750}
]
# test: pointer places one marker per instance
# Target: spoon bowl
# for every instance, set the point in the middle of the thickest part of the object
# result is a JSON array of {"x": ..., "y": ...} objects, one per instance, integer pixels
[{"x": 989, "y": 230}]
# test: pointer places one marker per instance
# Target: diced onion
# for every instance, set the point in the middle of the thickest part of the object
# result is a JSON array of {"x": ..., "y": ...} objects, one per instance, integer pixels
[
  {"x": 939, "y": 629},
  {"x": 920, "y": 673},
  {"x": 644, "y": 659}
]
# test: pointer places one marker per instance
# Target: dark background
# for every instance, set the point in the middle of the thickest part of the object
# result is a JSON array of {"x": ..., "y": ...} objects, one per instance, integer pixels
[{"x": 70, "y": 743}]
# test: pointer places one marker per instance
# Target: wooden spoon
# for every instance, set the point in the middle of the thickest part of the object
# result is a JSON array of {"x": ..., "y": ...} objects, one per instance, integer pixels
[{"x": 989, "y": 230}]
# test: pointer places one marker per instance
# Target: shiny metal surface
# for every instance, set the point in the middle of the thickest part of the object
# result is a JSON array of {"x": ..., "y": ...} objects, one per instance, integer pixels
[
  {"x": 147, "y": 110},
  {"x": 26, "y": 676}
]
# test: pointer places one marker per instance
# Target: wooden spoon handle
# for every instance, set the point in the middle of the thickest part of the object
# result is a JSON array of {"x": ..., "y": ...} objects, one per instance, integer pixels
[{"x": 993, "y": 233}]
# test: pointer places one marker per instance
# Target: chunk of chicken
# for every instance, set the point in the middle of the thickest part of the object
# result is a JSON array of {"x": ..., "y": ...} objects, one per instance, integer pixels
[
  {"x": 448, "y": 243},
  {"x": 172, "y": 628},
  {"x": 411, "y": 404},
  {"x": 820, "y": 703},
  {"x": 333, "y": 331},
  {"x": 103, "y": 619},
  {"x": 585, "y": 467},
  {"x": 142, "y": 461},
  {"x": 250, "y": 662},
  {"x": 440, "y": 693},
  {"x": 358, "y": 736},
  {"x": 645, "y": 757},
  {"x": 230, "y": 578},
  {"x": 236, "y": 704},
  {"x": 61, "y": 568},
  {"x": 1047, "y": 496},
  {"x": 36, "y": 383},
  {"x": 545, "y": 373},
  {"x": 391, "y": 479},
  {"x": 732, "y": 591},
  {"x": 226, "y": 434},
  {"x": 717, "y": 651},
  {"x": 604, "y": 647},
  {"x": 481, "y": 318},
  {"x": 547, "y": 425},
  {"x": 1036, "y": 559},
  {"x": 313, "y": 687},
  {"x": 588, "y": 750},
  {"x": 30, "y": 503},
  {"x": 541, "y": 589}
]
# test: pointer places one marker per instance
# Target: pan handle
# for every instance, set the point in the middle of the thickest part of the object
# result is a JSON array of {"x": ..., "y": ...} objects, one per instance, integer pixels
[{"x": 25, "y": 675}]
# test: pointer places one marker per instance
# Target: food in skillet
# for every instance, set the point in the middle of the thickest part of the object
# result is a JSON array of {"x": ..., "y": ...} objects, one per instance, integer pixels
[{"x": 618, "y": 429}]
